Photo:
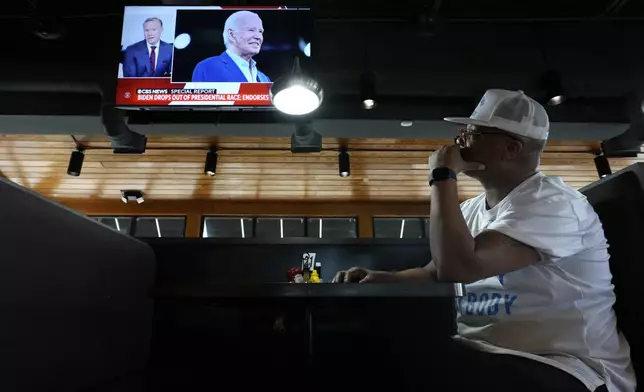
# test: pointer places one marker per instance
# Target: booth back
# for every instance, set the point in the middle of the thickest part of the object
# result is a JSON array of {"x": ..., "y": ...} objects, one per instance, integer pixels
[
  {"x": 619, "y": 202},
  {"x": 73, "y": 297}
]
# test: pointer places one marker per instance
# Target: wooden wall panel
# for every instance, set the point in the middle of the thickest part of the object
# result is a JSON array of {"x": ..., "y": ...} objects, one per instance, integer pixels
[{"x": 256, "y": 169}]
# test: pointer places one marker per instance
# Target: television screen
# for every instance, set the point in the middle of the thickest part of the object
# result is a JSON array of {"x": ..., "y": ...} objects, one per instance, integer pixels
[{"x": 207, "y": 57}]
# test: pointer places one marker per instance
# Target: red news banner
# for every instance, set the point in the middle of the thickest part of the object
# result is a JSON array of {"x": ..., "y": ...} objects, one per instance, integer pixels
[{"x": 161, "y": 92}]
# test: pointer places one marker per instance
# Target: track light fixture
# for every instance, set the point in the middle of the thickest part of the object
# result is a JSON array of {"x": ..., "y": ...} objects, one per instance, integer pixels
[
  {"x": 48, "y": 28},
  {"x": 628, "y": 144},
  {"x": 211, "y": 162},
  {"x": 344, "y": 164},
  {"x": 296, "y": 94},
  {"x": 75, "y": 163},
  {"x": 553, "y": 87},
  {"x": 132, "y": 195},
  {"x": 602, "y": 165},
  {"x": 305, "y": 139},
  {"x": 368, "y": 90}
]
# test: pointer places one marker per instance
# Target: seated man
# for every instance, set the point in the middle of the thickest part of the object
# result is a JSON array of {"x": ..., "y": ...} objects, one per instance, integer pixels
[{"x": 537, "y": 314}]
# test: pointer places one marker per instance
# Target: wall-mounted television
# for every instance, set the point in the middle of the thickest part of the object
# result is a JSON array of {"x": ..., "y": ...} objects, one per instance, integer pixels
[{"x": 208, "y": 57}]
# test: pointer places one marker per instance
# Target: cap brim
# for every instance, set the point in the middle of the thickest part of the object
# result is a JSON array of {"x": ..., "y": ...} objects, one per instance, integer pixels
[{"x": 467, "y": 121}]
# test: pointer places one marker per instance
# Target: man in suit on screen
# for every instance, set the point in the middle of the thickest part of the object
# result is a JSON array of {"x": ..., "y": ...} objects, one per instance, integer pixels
[
  {"x": 150, "y": 57},
  {"x": 243, "y": 37}
]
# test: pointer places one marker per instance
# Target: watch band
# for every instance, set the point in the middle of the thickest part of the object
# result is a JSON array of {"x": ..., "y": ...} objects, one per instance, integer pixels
[{"x": 441, "y": 174}]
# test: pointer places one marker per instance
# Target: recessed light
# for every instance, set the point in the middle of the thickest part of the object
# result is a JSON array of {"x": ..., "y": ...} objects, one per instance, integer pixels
[{"x": 368, "y": 104}]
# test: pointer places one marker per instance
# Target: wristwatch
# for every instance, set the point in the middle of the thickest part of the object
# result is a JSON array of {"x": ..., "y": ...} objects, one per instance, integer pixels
[{"x": 441, "y": 174}]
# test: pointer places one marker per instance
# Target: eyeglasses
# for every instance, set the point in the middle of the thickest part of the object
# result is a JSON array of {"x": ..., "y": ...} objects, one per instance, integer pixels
[{"x": 465, "y": 137}]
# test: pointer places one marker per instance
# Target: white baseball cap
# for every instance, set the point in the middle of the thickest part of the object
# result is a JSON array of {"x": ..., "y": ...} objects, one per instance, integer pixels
[{"x": 511, "y": 111}]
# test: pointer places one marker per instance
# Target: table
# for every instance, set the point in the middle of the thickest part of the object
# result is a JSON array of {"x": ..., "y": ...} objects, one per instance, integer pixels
[
  {"x": 312, "y": 291},
  {"x": 309, "y": 294}
]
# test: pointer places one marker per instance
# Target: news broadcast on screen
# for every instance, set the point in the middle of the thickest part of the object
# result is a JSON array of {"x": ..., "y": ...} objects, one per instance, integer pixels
[{"x": 208, "y": 56}]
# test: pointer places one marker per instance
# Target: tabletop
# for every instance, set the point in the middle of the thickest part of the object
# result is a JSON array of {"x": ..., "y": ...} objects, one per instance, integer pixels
[{"x": 313, "y": 290}]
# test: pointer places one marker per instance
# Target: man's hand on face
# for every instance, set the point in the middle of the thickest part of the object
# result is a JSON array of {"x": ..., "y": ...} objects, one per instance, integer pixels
[
  {"x": 362, "y": 275},
  {"x": 450, "y": 157}
]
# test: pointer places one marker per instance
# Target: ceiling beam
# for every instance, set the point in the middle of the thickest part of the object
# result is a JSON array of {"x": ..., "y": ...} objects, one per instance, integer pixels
[
  {"x": 328, "y": 128},
  {"x": 615, "y": 6}
]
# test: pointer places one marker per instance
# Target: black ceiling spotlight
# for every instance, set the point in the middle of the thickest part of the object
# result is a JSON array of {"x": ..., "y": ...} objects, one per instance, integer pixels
[
  {"x": 344, "y": 164},
  {"x": 46, "y": 27},
  {"x": 602, "y": 165},
  {"x": 123, "y": 139},
  {"x": 553, "y": 86},
  {"x": 132, "y": 195},
  {"x": 368, "y": 90},
  {"x": 211, "y": 162},
  {"x": 296, "y": 94},
  {"x": 76, "y": 162},
  {"x": 305, "y": 139},
  {"x": 42, "y": 24},
  {"x": 628, "y": 144}
]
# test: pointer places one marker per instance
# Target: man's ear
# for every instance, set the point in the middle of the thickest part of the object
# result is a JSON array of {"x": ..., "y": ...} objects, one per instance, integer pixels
[{"x": 513, "y": 149}]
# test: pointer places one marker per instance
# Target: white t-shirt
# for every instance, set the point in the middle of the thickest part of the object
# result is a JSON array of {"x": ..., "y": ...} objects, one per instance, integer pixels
[{"x": 560, "y": 310}]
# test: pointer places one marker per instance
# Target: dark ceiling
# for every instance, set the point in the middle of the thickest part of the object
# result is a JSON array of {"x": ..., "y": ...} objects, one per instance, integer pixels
[
  {"x": 430, "y": 58},
  {"x": 338, "y": 9}
]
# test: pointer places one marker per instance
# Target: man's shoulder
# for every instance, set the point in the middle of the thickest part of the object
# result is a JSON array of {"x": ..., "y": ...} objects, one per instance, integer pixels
[
  {"x": 550, "y": 196},
  {"x": 165, "y": 44},
  {"x": 210, "y": 61},
  {"x": 473, "y": 203},
  {"x": 545, "y": 190},
  {"x": 553, "y": 218},
  {"x": 136, "y": 46}
]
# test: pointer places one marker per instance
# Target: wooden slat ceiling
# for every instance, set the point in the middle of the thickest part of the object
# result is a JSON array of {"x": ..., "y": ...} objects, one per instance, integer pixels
[{"x": 255, "y": 168}]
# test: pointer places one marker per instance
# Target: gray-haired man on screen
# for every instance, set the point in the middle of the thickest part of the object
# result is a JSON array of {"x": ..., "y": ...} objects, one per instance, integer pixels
[
  {"x": 243, "y": 36},
  {"x": 150, "y": 57},
  {"x": 531, "y": 250}
]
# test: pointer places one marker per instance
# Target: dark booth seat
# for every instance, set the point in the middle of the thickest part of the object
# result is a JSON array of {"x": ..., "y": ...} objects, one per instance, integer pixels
[{"x": 619, "y": 201}]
